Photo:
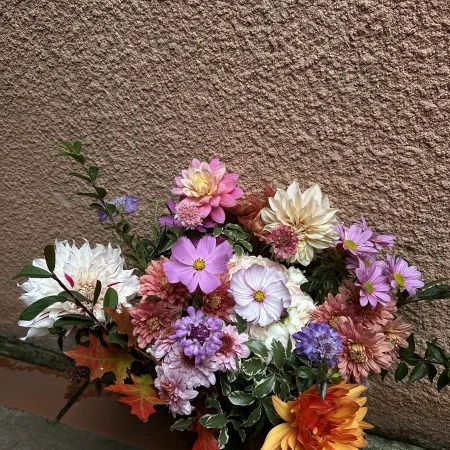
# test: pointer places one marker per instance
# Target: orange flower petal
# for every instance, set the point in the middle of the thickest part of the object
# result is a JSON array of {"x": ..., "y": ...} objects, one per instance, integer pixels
[
  {"x": 282, "y": 409},
  {"x": 275, "y": 436}
]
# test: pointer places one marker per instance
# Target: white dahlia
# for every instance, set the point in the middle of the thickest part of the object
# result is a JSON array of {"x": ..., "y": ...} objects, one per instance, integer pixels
[
  {"x": 78, "y": 269},
  {"x": 308, "y": 215}
]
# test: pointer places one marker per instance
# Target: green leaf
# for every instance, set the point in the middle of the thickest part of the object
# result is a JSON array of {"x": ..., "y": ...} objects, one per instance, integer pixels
[
  {"x": 240, "y": 398},
  {"x": 101, "y": 192},
  {"x": 401, "y": 371},
  {"x": 78, "y": 158},
  {"x": 258, "y": 348},
  {"x": 217, "y": 231},
  {"x": 434, "y": 291},
  {"x": 282, "y": 389},
  {"x": 117, "y": 338},
  {"x": 409, "y": 351},
  {"x": 223, "y": 437},
  {"x": 419, "y": 371},
  {"x": 93, "y": 172},
  {"x": 279, "y": 354},
  {"x": 98, "y": 288},
  {"x": 432, "y": 371},
  {"x": 269, "y": 409},
  {"x": 226, "y": 388},
  {"x": 80, "y": 176},
  {"x": 38, "y": 306},
  {"x": 212, "y": 402},
  {"x": 253, "y": 417},
  {"x": 443, "y": 380},
  {"x": 305, "y": 373},
  {"x": 182, "y": 424},
  {"x": 238, "y": 249},
  {"x": 89, "y": 194},
  {"x": 77, "y": 146},
  {"x": 111, "y": 298},
  {"x": 213, "y": 420},
  {"x": 322, "y": 387},
  {"x": 33, "y": 272},
  {"x": 246, "y": 245},
  {"x": 237, "y": 427},
  {"x": 74, "y": 320},
  {"x": 241, "y": 324},
  {"x": 435, "y": 352},
  {"x": 264, "y": 387},
  {"x": 252, "y": 366},
  {"x": 49, "y": 253}
]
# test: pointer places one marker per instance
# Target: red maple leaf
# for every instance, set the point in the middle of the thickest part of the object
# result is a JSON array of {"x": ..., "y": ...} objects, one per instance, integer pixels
[
  {"x": 205, "y": 440},
  {"x": 101, "y": 359},
  {"x": 123, "y": 321},
  {"x": 141, "y": 396}
]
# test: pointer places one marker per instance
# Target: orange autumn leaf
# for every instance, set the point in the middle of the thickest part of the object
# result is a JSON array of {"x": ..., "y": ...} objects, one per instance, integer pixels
[
  {"x": 100, "y": 359},
  {"x": 123, "y": 321},
  {"x": 205, "y": 440},
  {"x": 141, "y": 396}
]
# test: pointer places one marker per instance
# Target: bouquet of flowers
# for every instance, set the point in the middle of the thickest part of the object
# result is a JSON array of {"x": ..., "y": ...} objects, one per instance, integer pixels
[{"x": 247, "y": 317}]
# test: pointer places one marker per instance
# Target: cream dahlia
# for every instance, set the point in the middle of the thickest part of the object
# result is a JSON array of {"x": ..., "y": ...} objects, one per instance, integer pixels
[
  {"x": 78, "y": 269},
  {"x": 307, "y": 214}
]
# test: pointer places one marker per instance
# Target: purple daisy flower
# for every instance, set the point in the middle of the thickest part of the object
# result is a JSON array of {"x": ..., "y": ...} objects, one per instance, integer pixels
[
  {"x": 355, "y": 239},
  {"x": 374, "y": 284},
  {"x": 126, "y": 204},
  {"x": 198, "y": 265},
  {"x": 198, "y": 334},
  {"x": 403, "y": 276},
  {"x": 318, "y": 342}
]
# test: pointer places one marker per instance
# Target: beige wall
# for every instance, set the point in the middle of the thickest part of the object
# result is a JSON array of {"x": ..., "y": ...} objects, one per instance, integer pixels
[{"x": 350, "y": 94}]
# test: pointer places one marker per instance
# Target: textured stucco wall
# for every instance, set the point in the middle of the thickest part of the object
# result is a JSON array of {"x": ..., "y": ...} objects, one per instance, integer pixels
[{"x": 351, "y": 94}]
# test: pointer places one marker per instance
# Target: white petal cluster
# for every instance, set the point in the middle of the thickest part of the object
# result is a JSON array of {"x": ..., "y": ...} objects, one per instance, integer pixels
[
  {"x": 308, "y": 214},
  {"x": 78, "y": 269}
]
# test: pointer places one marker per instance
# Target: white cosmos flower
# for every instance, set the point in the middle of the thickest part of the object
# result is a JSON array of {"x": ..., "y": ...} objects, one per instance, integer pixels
[
  {"x": 260, "y": 293},
  {"x": 307, "y": 214},
  {"x": 78, "y": 269}
]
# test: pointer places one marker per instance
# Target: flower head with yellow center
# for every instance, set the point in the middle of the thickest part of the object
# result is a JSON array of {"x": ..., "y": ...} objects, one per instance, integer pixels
[
  {"x": 307, "y": 214},
  {"x": 336, "y": 422}
]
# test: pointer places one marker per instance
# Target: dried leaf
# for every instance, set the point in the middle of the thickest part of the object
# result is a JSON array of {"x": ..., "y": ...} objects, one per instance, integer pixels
[
  {"x": 205, "y": 440},
  {"x": 123, "y": 321}
]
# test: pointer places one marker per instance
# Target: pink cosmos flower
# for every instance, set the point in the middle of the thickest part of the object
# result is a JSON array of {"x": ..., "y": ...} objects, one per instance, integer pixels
[
  {"x": 403, "y": 276},
  {"x": 198, "y": 265},
  {"x": 260, "y": 294},
  {"x": 355, "y": 240},
  {"x": 374, "y": 284},
  {"x": 174, "y": 388},
  {"x": 209, "y": 187},
  {"x": 154, "y": 283},
  {"x": 364, "y": 351},
  {"x": 233, "y": 348}
]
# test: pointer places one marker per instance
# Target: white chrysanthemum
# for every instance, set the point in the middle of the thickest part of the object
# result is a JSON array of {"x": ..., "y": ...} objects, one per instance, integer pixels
[
  {"x": 78, "y": 269},
  {"x": 307, "y": 214}
]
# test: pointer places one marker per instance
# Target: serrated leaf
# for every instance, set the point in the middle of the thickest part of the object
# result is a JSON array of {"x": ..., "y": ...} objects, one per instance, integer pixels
[
  {"x": 141, "y": 396},
  {"x": 257, "y": 347},
  {"x": 213, "y": 420},
  {"x": 418, "y": 372},
  {"x": 38, "y": 306},
  {"x": 253, "y": 417},
  {"x": 264, "y": 387},
  {"x": 252, "y": 366},
  {"x": 240, "y": 398},
  {"x": 182, "y": 424},
  {"x": 50, "y": 258},
  {"x": 33, "y": 272},
  {"x": 279, "y": 355},
  {"x": 223, "y": 437},
  {"x": 205, "y": 440},
  {"x": 123, "y": 321},
  {"x": 401, "y": 371}
]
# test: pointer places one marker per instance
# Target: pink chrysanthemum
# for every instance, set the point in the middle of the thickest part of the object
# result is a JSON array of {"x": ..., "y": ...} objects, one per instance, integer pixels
[
  {"x": 150, "y": 320},
  {"x": 189, "y": 214},
  {"x": 155, "y": 283},
  {"x": 209, "y": 187},
  {"x": 233, "y": 348},
  {"x": 374, "y": 284},
  {"x": 164, "y": 344},
  {"x": 397, "y": 331},
  {"x": 334, "y": 310},
  {"x": 284, "y": 241},
  {"x": 403, "y": 276},
  {"x": 219, "y": 303},
  {"x": 364, "y": 351},
  {"x": 373, "y": 317}
]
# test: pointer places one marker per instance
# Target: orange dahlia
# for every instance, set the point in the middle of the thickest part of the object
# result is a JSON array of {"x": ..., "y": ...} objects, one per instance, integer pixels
[{"x": 335, "y": 423}]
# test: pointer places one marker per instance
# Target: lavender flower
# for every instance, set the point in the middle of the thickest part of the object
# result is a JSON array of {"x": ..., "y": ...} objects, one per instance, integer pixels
[
  {"x": 125, "y": 204},
  {"x": 199, "y": 335},
  {"x": 403, "y": 276},
  {"x": 318, "y": 342},
  {"x": 355, "y": 240},
  {"x": 374, "y": 284}
]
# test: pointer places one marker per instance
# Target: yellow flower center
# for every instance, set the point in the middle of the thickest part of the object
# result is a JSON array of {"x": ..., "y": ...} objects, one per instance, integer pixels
[
  {"x": 259, "y": 296},
  {"x": 199, "y": 264},
  {"x": 164, "y": 283},
  {"x": 352, "y": 245},
  {"x": 358, "y": 353},
  {"x": 399, "y": 278},
  {"x": 214, "y": 301},
  {"x": 200, "y": 183},
  {"x": 153, "y": 324},
  {"x": 368, "y": 286}
]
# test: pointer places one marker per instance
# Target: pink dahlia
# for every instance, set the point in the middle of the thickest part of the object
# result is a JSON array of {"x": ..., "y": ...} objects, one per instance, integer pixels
[
  {"x": 284, "y": 241},
  {"x": 374, "y": 284},
  {"x": 219, "y": 303},
  {"x": 155, "y": 284},
  {"x": 150, "y": 320},
  {"x": 364, "y": 351},
  {"x": 233, "y": 348},
  {"x": 198, "y": 265},
  {"x": 371, "y": 317},
  {"x": 397, "y": 331},
  {"x": 403, "y": 276},
  {"x": 209, "y": 187},
  {"x": 334, "y": 310}
]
